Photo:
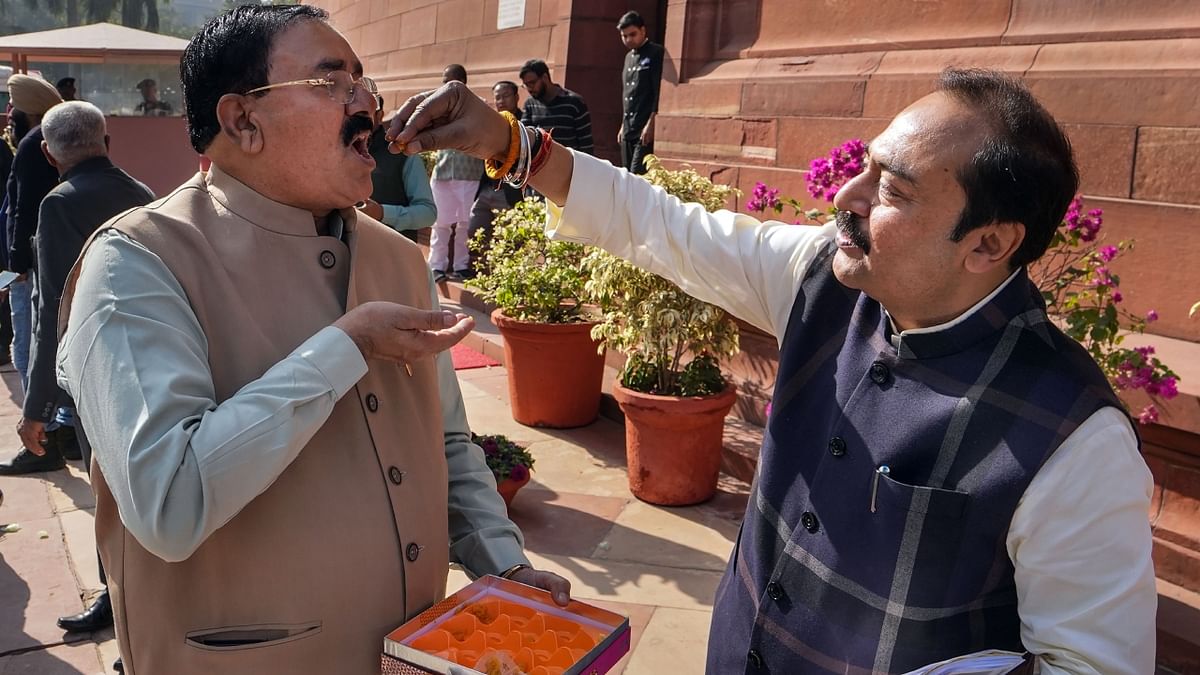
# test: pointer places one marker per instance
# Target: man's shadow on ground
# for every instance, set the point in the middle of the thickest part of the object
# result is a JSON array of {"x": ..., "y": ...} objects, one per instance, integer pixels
[{"x": 557, "y": 529}]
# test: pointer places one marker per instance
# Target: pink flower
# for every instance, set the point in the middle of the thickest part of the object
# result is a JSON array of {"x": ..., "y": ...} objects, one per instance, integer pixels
[
  {"x": 827, "y": 175},
  {"x": 1088, "y": 226},
  {"x": 1148, "y": 415},
  {"x": 1167, "y": 388},
  {"x": 490, "y": 446},
  {"x": 1117, "y": 297},
  {"x": 1151, "y": 316},
  {"x": 763, "y": 197},
  {"x": 519, "y": 473},
  {"x": 1107, "y": 253}
]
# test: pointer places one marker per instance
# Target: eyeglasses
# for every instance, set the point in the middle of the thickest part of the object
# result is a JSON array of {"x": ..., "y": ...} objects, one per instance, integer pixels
[{"x": 341, "y": 85}]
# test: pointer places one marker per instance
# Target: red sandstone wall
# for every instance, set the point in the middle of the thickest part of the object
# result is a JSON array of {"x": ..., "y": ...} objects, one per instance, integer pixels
[
  {"x": 154, "y": 150},
  {"x": 768, "y": 85}
]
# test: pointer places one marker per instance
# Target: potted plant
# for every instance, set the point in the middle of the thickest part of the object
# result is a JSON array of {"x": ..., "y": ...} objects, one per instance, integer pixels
[
  {"x": 510, "y": 463},
  {"x": 671, "y": 389},
  {"x": 554, "y": 365}
]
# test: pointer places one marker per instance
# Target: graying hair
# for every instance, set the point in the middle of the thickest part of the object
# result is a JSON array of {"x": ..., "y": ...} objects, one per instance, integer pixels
[{"x": 74, "y": 131}]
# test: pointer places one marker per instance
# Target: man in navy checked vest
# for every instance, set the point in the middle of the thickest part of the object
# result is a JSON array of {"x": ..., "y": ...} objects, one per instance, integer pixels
[{"x": 943, "y": 471}]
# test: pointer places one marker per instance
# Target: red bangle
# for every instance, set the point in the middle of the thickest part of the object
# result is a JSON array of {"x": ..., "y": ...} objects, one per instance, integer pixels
[{"x": 543, "y": 154}]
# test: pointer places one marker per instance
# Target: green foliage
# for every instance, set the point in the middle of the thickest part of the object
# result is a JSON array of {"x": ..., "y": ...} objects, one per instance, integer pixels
[
  {"x": 429, "y": 159},
  {"x": 652, "y": 321},
  {"x": 505, "y": 458},
  {"x": 525, "y": 274}
]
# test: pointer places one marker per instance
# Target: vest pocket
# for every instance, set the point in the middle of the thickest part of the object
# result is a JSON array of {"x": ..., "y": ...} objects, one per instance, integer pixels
[
  {"x": 933, "y": 502},
  {"x": 234, "y": 638}
]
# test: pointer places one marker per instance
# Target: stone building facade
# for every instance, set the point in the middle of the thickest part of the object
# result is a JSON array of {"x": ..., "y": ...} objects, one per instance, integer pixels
[{"x": 755, "y": 89}]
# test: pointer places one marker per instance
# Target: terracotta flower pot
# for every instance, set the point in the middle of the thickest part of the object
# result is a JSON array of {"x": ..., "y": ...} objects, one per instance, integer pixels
[
  {"x": 673, "y": 444},
  {"x": 508, "y": 489},
  {"x": 554, "y": 372}
]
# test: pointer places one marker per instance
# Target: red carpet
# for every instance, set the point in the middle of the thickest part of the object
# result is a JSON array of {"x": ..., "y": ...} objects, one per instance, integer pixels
[{"x": 465, "y": 358}]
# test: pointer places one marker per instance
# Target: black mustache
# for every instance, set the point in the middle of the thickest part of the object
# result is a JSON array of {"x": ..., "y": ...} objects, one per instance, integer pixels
[
  {"x": 355, "y": 125},
  {"x": 850, "y": 223}
]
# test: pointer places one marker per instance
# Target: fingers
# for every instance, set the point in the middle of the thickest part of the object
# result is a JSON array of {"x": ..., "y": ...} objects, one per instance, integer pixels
[
  {"x": 400, "y": 119},
  {"x": 430, "y": 138},
  {"x": 408, "y": 318},
  {"x": 33, "y": 442},
  {"x": 560, "y": 589},
  {"x": 432, "y": 342},
  {"x": 422, "y": 113}
]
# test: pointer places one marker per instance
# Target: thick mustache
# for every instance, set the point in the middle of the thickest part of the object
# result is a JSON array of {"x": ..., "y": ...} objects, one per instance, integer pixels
[
  {"x": 851, "y": 224},
  {"x": 353, "y": 126}
]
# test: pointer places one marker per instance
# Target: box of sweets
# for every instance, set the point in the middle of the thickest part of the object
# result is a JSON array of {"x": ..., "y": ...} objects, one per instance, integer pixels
[{"x": 495, "y": 626}]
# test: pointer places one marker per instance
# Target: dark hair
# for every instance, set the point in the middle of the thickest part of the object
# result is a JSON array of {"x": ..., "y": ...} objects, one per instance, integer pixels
[
  {"x": 64, "y": 82},
  {"x": 1024, "y": 171},
  {"x": 508, "y": 84},
  {"x": 630, "y": 18},
  {"x": 455, "y": 71},
  {"x": 536, "y": 66},
  {"x": 231, "y": 55},
  {"x": 20, "y": 124}
]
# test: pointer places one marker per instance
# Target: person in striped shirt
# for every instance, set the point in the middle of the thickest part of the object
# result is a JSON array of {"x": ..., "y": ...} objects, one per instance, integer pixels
[{"x": 555, "y": 108}]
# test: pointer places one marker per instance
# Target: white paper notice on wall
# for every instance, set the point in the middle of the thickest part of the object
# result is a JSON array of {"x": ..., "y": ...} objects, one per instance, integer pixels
[{"x": 510, "y": 14}]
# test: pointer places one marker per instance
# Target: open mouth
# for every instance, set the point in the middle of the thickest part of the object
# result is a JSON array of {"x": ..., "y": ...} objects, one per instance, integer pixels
[{"x": 359, "y": 144}]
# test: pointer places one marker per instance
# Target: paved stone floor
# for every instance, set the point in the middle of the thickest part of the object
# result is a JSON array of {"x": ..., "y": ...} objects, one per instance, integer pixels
[{"x": 658, "y": 566}]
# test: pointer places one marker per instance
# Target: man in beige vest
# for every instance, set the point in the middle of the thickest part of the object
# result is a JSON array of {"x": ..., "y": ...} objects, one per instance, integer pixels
[{"x": 283, "y": 467}]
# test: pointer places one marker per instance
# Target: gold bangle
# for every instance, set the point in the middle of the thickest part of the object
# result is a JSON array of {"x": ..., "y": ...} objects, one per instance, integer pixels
[{"x": 496, "y": 170}]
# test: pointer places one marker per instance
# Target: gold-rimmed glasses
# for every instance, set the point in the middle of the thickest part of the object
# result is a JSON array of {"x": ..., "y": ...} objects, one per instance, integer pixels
[{"x": 341, "y": 85}]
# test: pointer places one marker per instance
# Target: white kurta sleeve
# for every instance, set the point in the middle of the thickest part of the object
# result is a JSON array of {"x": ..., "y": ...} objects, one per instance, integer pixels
[
  {"x": 482, "y": 537},
  {"x": 1080, "y": 541},
  {"x": 749, "y": 268},
  {"x": 135, "y": 361}
]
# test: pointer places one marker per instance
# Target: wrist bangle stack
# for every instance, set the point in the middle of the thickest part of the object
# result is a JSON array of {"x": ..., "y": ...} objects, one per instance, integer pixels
[
  {"x": 519, "y": 175},
  {"x": 543, "y": 152},
  {"x": 496, "y": 170}
]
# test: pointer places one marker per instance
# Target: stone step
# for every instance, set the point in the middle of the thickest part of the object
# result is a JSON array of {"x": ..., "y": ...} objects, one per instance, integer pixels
[{"x": 1178, "y": 629}]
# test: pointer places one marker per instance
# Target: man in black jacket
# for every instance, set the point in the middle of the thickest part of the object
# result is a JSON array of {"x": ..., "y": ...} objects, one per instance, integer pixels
[
  {"x": 640, "y": 81},
  {"x": 31, "y": 178},
  {"x": 92, "y": 191}
]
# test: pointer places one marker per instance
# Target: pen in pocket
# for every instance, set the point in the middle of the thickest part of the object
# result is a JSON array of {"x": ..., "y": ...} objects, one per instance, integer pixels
[{"x": 883, "y": 470}]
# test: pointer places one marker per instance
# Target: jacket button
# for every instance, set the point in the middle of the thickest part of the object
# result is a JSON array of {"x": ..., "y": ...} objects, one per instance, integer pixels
[
  {"x": 328, "y": 260},
  {"x": 395, "y": 475},
  {"x": 755, "y": 659},
  {"x": 837, "y": 446},
  {"x": 412, "y": 552},
  {"x": 879, "y": 372},
  {"x": 372, "y": 403},
  {"x": 775, "y": 591},
  {"x": 809, "y": 520}
]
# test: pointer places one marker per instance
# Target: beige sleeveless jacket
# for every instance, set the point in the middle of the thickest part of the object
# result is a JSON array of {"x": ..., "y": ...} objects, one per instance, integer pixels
[{"x": 351, "y": 539}]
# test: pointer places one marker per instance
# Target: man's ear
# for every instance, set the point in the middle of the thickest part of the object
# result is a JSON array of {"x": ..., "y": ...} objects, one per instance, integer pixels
[
  {"x": 236, "y": 115},
  {"x": 49, "y": 157},
  {"x": 993, "y": 245}
]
